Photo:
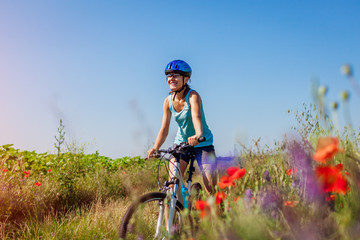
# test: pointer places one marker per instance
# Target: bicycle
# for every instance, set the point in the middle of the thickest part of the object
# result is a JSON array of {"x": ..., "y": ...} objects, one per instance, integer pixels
[{"x": 146, "y": 218}]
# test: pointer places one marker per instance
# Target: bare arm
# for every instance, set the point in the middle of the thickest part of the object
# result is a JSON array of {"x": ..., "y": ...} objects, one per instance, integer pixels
[
  {"x": 164, "y": 129},
  {"x": 195, "y": 103}
]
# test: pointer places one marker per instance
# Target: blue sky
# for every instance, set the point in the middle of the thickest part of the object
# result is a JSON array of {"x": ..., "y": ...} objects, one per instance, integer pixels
[{"x": 98, "y": 65}]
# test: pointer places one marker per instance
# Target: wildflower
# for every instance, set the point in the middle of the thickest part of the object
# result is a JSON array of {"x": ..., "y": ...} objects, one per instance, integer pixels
[
  {"x": 332, "y": 179},
  {"x": 334, "y": 105},
  {"x": 236, "y": 199},
  {"x": 27, "y": 175},
  {"x": 291, "y": 171},
  {"x": 203, "y": 206},
  {"x": 290, "y": 203},
  {"x": 326, "y": 149},
  {"x": 339, "y": 166},
  {"x": 322, "y": 90},
  {"x": 235, "y": 172},
  {"x": 248, "y": 194},
  {"x": 49, "y": 170},
  {"x": 267, "y": 176},
  {"x": 269, "y": 200},
  {"x": 346, "y": 70},
  {"x": 38, "y": 184},
  {"x": 225, "y": 182},
  {"x": 345, "y": 95},
  {"x": 4, "y": 170},
  {"x": 27, "y": 172},
  {"x": 220, "y": 196},
  {"x": 331, "y": 198}
]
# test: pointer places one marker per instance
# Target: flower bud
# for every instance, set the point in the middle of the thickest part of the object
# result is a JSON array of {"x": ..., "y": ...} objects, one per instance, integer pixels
[
  {"x": 345, "y": 95},
  {"x": 322, "y": 90},
  {"x": 334, "y": 105},
  {"x": 347, "y": 70}
]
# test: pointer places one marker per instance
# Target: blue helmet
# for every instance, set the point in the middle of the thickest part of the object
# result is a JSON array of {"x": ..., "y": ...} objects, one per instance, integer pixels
[{"x": 178, "y": 66}]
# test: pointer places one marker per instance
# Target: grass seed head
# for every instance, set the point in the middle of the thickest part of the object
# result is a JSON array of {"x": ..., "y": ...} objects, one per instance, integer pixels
[
  {"x": 346, "y": 69},
  {"x": 322, "y": 90},
  {"x": 334, "y": 105},
  {"x": 345, "y": 95}
]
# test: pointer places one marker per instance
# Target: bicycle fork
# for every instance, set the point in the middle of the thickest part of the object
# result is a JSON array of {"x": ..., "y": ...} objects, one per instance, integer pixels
[
  {"x": 160, "y": 219},
  {"x": 174, "y": 196}
]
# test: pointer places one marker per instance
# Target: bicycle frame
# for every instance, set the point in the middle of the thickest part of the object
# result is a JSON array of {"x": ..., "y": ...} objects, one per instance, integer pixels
[
  {"x": 178, "y": 179},
  {"x": 174, "y": 197}
]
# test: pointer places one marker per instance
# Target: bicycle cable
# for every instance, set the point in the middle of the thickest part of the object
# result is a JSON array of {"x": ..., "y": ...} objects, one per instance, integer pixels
[
  {"x": 158, "y": 170},
  {"x": 167, "y": 169}
]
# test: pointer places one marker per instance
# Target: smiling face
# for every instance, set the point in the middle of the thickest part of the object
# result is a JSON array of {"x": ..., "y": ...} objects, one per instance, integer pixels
[{"x": 176, "y": 81}]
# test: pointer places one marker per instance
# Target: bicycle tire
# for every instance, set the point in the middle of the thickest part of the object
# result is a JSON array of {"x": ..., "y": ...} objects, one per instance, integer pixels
[{"x": 132, "y": 225}]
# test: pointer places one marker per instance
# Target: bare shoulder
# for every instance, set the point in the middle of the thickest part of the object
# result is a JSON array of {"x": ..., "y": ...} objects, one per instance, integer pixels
[
  {"x": 194, "y": 98},
  {"x": 194, "y": 94}
]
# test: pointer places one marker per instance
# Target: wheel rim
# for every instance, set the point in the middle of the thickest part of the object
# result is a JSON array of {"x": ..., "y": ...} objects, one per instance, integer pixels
[{"x": 143, "y": 221}]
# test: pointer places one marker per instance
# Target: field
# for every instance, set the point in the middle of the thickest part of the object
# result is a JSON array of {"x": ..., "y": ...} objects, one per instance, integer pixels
[{"x": 305, "y": 187}]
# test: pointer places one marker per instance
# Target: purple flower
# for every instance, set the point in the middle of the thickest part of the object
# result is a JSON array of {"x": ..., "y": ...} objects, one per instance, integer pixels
[
  {"x": 267, "y": 176},
  {"x": 270, "y": 201},
  {"x": 248, "y": 194},
  {"x": 301, "y": 159}
]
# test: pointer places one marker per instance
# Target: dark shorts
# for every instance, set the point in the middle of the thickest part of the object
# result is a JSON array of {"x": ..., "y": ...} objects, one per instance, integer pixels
[{"x": 203, "y": 155}]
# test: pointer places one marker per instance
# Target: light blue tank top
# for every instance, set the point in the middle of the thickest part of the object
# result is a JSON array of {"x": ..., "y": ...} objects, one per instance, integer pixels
[{"x": 186, "y": 126}]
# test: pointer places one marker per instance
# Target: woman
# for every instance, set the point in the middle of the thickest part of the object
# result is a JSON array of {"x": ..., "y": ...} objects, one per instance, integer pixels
[{"x": 185, "y": 105}]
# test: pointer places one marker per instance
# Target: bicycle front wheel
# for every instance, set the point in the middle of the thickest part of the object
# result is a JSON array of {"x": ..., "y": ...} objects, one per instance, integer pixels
[{"x": 145, "y": 218}]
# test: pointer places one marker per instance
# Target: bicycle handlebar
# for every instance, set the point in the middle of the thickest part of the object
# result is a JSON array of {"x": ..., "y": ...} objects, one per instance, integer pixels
[{"x": 180, "y": 148}]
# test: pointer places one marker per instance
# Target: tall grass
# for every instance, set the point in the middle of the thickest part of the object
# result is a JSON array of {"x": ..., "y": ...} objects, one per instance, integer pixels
[{"x": 38, "y": 189}]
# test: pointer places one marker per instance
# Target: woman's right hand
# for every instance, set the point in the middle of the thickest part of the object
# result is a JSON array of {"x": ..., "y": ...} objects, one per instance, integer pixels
[{"x": 150, "y": 153}]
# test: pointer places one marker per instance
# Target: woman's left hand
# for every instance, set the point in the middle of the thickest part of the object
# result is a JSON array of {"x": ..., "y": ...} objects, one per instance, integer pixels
[{"x": 193, "y": 140}]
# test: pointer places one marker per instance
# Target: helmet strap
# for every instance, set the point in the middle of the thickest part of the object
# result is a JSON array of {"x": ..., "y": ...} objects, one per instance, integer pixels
[{"x": 184, "y": 86}]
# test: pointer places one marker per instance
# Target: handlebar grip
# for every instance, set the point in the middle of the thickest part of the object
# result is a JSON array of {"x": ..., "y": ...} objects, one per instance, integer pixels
[{"x": 201, "y": 139}]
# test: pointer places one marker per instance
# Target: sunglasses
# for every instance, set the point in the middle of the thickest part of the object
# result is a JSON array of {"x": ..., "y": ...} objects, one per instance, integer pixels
[{"x": 174, "y": 75}]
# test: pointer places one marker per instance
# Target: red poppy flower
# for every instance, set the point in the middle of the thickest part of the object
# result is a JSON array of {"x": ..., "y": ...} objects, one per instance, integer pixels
[
  {"x": 291, "y": 171},
  {"x": 332, "y": 179},
  {"x": 326, "y": 149},
  {"x": 220, "y": 196},
  {"x": 27, "y": 175},
  {"x": 231, "y": 170},
  {"x": 49, "y": 170},
  {"x": 226, "y": 181},
  {"x": 290, "y": 203},
  {"x": 339, "y": 166},
  {"x": 4, "y": 170},
  {"x": 38, "y": 184},
  {"x": 331, "y": 198},
  {"x": 235, "y": 172},
  {"x": 203, "y": 206},
  {"x": 27, "y": 172}
]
